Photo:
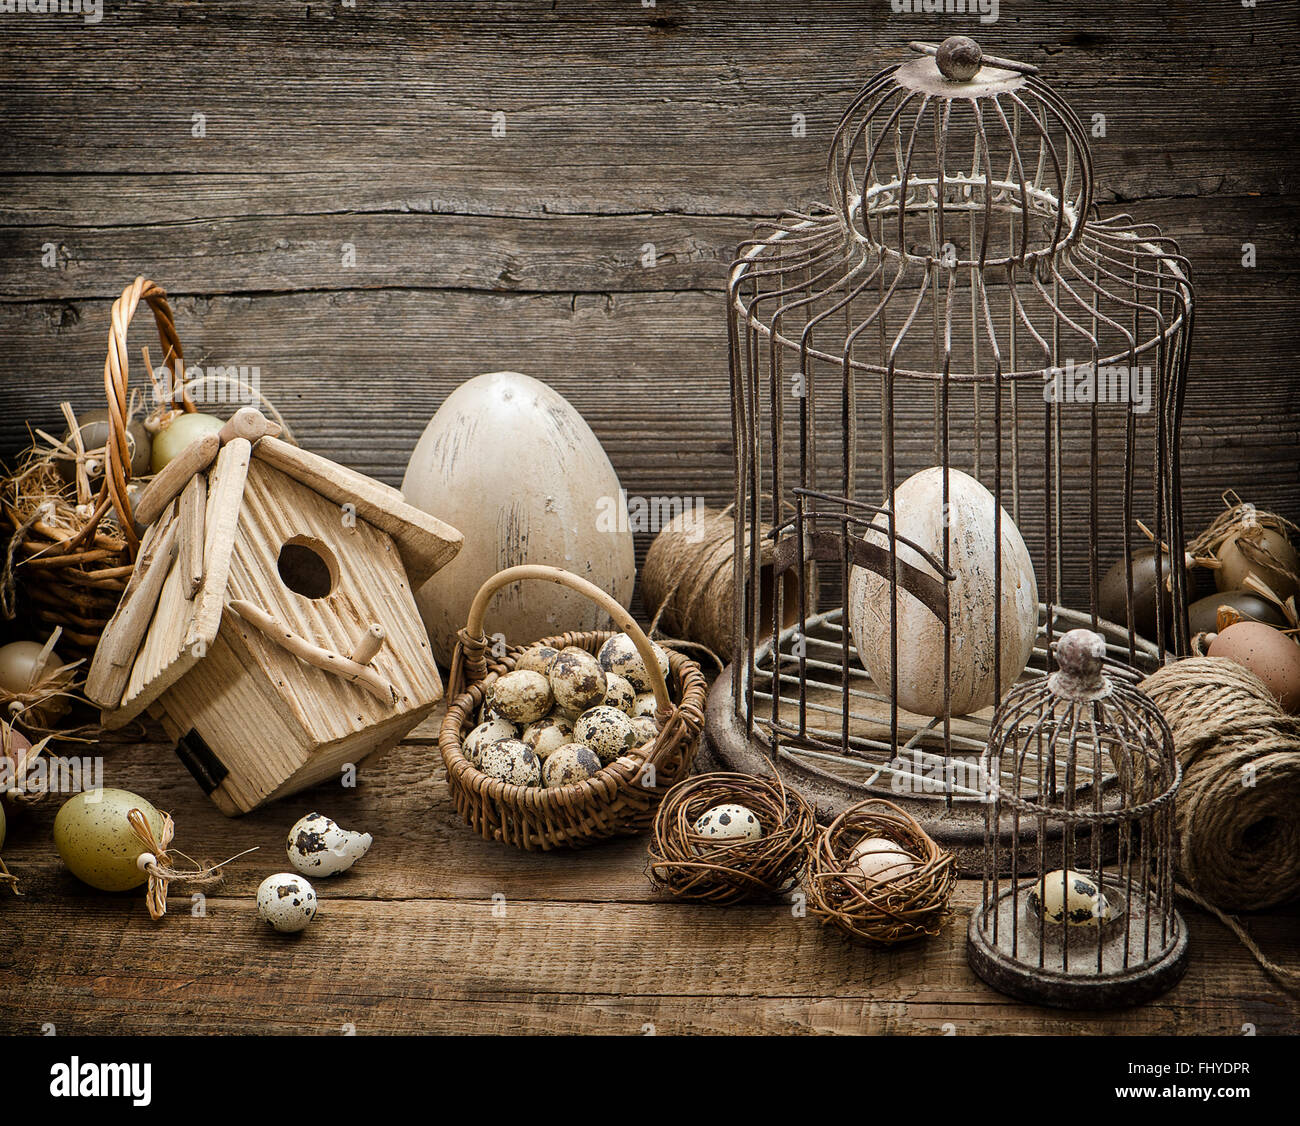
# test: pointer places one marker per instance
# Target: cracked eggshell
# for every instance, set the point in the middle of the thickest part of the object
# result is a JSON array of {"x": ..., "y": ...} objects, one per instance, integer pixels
[
  {"x": 619, "y": 655},
  {"x": 919, "y": 507},
  {"x": 510, "y": 463},
  {"x": 547, "y": 735},
  {"x": 319, "y": 847},
  {"x": 573, "y": 762},
  {"x": 523, "y": 696},
  {"x": 607, "y": 731},
  {"x": 512, "y": 761},
  {"x": 577, "y": 680},
  {"x": 286, "y": 901}
]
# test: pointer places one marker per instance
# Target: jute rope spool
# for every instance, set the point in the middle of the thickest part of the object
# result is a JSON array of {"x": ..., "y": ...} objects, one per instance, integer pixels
[
  {"x": 1237, "y": 817},
  {"x": 688, "y": 580}
]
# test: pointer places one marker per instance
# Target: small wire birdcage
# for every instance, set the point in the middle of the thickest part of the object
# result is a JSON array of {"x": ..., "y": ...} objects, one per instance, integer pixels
[
  {"x": 959, "y": 306},
  {"x": 1095, "y": 926}
]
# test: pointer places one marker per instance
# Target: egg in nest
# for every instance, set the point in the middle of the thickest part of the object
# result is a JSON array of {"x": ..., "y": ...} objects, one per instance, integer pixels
[{"x": 729, "y": 822}]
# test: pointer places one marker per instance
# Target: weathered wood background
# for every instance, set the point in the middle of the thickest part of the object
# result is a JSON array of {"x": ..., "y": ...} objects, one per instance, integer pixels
[{"x": 371, "y": 127}]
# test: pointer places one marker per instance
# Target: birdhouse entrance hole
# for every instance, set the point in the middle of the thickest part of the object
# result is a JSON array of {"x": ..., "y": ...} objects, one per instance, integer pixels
[{"x": 307, "y": 567}]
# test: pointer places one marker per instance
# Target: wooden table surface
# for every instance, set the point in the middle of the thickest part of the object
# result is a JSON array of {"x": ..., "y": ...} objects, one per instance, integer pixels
[{"x": 417, "y": 938}]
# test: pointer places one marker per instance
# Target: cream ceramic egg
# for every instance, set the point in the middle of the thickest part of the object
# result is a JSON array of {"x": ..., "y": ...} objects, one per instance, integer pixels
[
  {"x": 484, "y": 734},
  {"x": 919, "y": 513},
  {"x": 879, "y": 858},
  {"x": 547, "y": 735},
  {"x": 729, "y": 822},
  {"x": 620, "y": 656},
  {"x": 317, "y": 846},
  {"x": 607, "y": 731},
  {"x": 577, "y": 681},
  {"x": 510, "y": 463},
  {"x": 286, "y": 901},
  {"x": 522, "y": 696},
  {"x": 573, "y": 762},
  {"x": 512, "y": 761},
  {"x": 1069, "y": 897},
  {"x": 619, "y": 693}
]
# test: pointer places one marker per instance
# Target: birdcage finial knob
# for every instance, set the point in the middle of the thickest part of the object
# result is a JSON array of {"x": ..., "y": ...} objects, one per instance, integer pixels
[
  {"x": 959, "y": 58},
  {"x": 1079, "y": 656}
]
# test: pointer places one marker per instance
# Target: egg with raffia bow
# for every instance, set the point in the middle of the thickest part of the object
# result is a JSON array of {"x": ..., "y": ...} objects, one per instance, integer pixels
[
  {"x": 96, "y": 841},
  {"x": 509, "y": 462},
  {"x": 969, "y": 528}
]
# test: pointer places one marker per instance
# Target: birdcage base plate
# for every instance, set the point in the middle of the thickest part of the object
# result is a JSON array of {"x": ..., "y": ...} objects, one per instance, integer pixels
[{"x": 1082, "y": 986}]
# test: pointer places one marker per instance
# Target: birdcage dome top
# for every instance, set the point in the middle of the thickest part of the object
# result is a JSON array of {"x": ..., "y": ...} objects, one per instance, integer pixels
[{"x": 961, "y": 159}]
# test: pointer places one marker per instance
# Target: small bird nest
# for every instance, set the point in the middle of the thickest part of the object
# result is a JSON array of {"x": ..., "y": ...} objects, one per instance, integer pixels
[
  {"x": 691, "y": 866},
  {"x": 902, "y": 903}
]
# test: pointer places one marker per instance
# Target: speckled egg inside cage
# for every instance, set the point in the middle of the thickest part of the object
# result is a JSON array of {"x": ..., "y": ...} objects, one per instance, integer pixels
[
  {"x": 957, "y": 327},
  {"x": 1084, "y": 916}
]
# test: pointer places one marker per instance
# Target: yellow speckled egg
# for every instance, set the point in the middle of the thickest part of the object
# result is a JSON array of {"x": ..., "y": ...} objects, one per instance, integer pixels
[{"x": 97, "y": 842}]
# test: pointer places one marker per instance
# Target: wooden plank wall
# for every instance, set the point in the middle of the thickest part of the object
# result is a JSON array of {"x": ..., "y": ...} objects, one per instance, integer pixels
[{"x": 371, "y": 127}]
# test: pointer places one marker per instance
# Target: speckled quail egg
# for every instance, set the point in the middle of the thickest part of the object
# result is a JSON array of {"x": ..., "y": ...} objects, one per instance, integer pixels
[
  {"x": 286, "y": 901},
  {"x": 577, "y": 681},
  {"x": 619, "y": 693},
  {"x": 645, "y": 704},
  {"x": 537, "y": 658},
  {"x": 573, "y": 762},
  {"x": 511, "y": 760},
  {"x": 549, "y": 734},
  {"x": 607, "y": 731},
  {"x": 486, "y": 733},
  {"x": 729, "y": 822},
  {"x": 1069, "y": 897},
  {"x": 619, "y": 655},
  {"x": 879, "y": 858},
  {"x": 319, "y": 847},
  {"x": 645, "y": 729},
  {"x": 522, "y": 696}
]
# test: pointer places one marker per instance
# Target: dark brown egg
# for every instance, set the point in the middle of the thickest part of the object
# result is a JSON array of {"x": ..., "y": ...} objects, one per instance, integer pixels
[
  {"x": 1269, "y": 653},
  {"x": 94, "y": 429},
  {"x": 1111, "y": 594},
  {"x": 1204, "y": 613}
]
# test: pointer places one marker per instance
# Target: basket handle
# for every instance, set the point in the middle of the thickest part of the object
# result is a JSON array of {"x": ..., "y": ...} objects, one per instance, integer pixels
[
  {"x": 468, "y": 659},
  {"x": 117, "y": 470}
]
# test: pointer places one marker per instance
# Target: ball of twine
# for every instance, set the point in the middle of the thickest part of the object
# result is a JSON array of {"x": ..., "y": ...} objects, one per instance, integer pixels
[
  {"x": 692, "y": 866},
  {"x": 895, "y": 908},
  {"x": 1238, "y": 811},
  {"x": 688, "y": 579}
]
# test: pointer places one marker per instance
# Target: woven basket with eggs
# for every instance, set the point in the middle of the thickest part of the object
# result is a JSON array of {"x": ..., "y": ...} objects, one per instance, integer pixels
[{"x": 613, "y": 798}]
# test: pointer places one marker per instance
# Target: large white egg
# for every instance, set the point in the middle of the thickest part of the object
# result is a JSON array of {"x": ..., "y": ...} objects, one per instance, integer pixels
[
  {"x": 510, "y": 463},
  {"x": 919, "y": 514}
]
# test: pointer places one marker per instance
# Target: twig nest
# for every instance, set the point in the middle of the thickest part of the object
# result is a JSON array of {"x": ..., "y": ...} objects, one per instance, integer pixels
[
  {"x": 286, "y": 901},
  {"x": 876, "y": 875},
  {"x": 577, "y": 680},
  {"x": 522, "y": 696},
  {"x": 511, "y": 760},
  {"x": 319, "y": 847},
  {"x": 619, "y": 655},
  {"x": 607, "y": 731},
  {"x": 571, "y": 763},
  {"x": 548, "y": 735},
  {"x": 696, "y": 855},
  {"x": 619, "y": 693}
]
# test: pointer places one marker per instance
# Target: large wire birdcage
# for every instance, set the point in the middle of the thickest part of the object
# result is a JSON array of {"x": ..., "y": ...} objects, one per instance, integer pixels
[
  {"x": 1094, "y": 926},
  {"x": 959, "y": 306}
]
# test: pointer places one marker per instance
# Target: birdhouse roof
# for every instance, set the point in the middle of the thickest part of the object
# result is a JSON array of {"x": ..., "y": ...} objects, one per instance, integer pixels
[{"x": 172, "y": 608}]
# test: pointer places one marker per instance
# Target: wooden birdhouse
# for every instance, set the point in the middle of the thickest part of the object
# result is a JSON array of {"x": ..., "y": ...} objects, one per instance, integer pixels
[{"x": 269, "y": 623}]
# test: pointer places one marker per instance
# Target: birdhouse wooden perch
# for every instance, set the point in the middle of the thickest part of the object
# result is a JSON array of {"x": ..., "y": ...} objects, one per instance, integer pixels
[{"x": 269, "y": 623}]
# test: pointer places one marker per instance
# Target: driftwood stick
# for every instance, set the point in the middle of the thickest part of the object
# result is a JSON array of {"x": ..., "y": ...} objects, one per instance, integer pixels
[
  {"x": 250, "y": 423},
  {"x": 314, "y": 655},
  {"x": 175, "y": 475},
  {"x": 371, "y": 642},
  {"x": 192, "y": 521}
]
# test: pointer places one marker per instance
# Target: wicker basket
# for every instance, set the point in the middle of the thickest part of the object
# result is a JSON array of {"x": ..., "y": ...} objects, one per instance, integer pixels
[
  {"x": 620, "y": 799},
  {"x": 71, "y": 566}
]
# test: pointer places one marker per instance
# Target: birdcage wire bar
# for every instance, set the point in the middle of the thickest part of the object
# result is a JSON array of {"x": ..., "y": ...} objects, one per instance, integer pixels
[{"x": 933, "y": 303}]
